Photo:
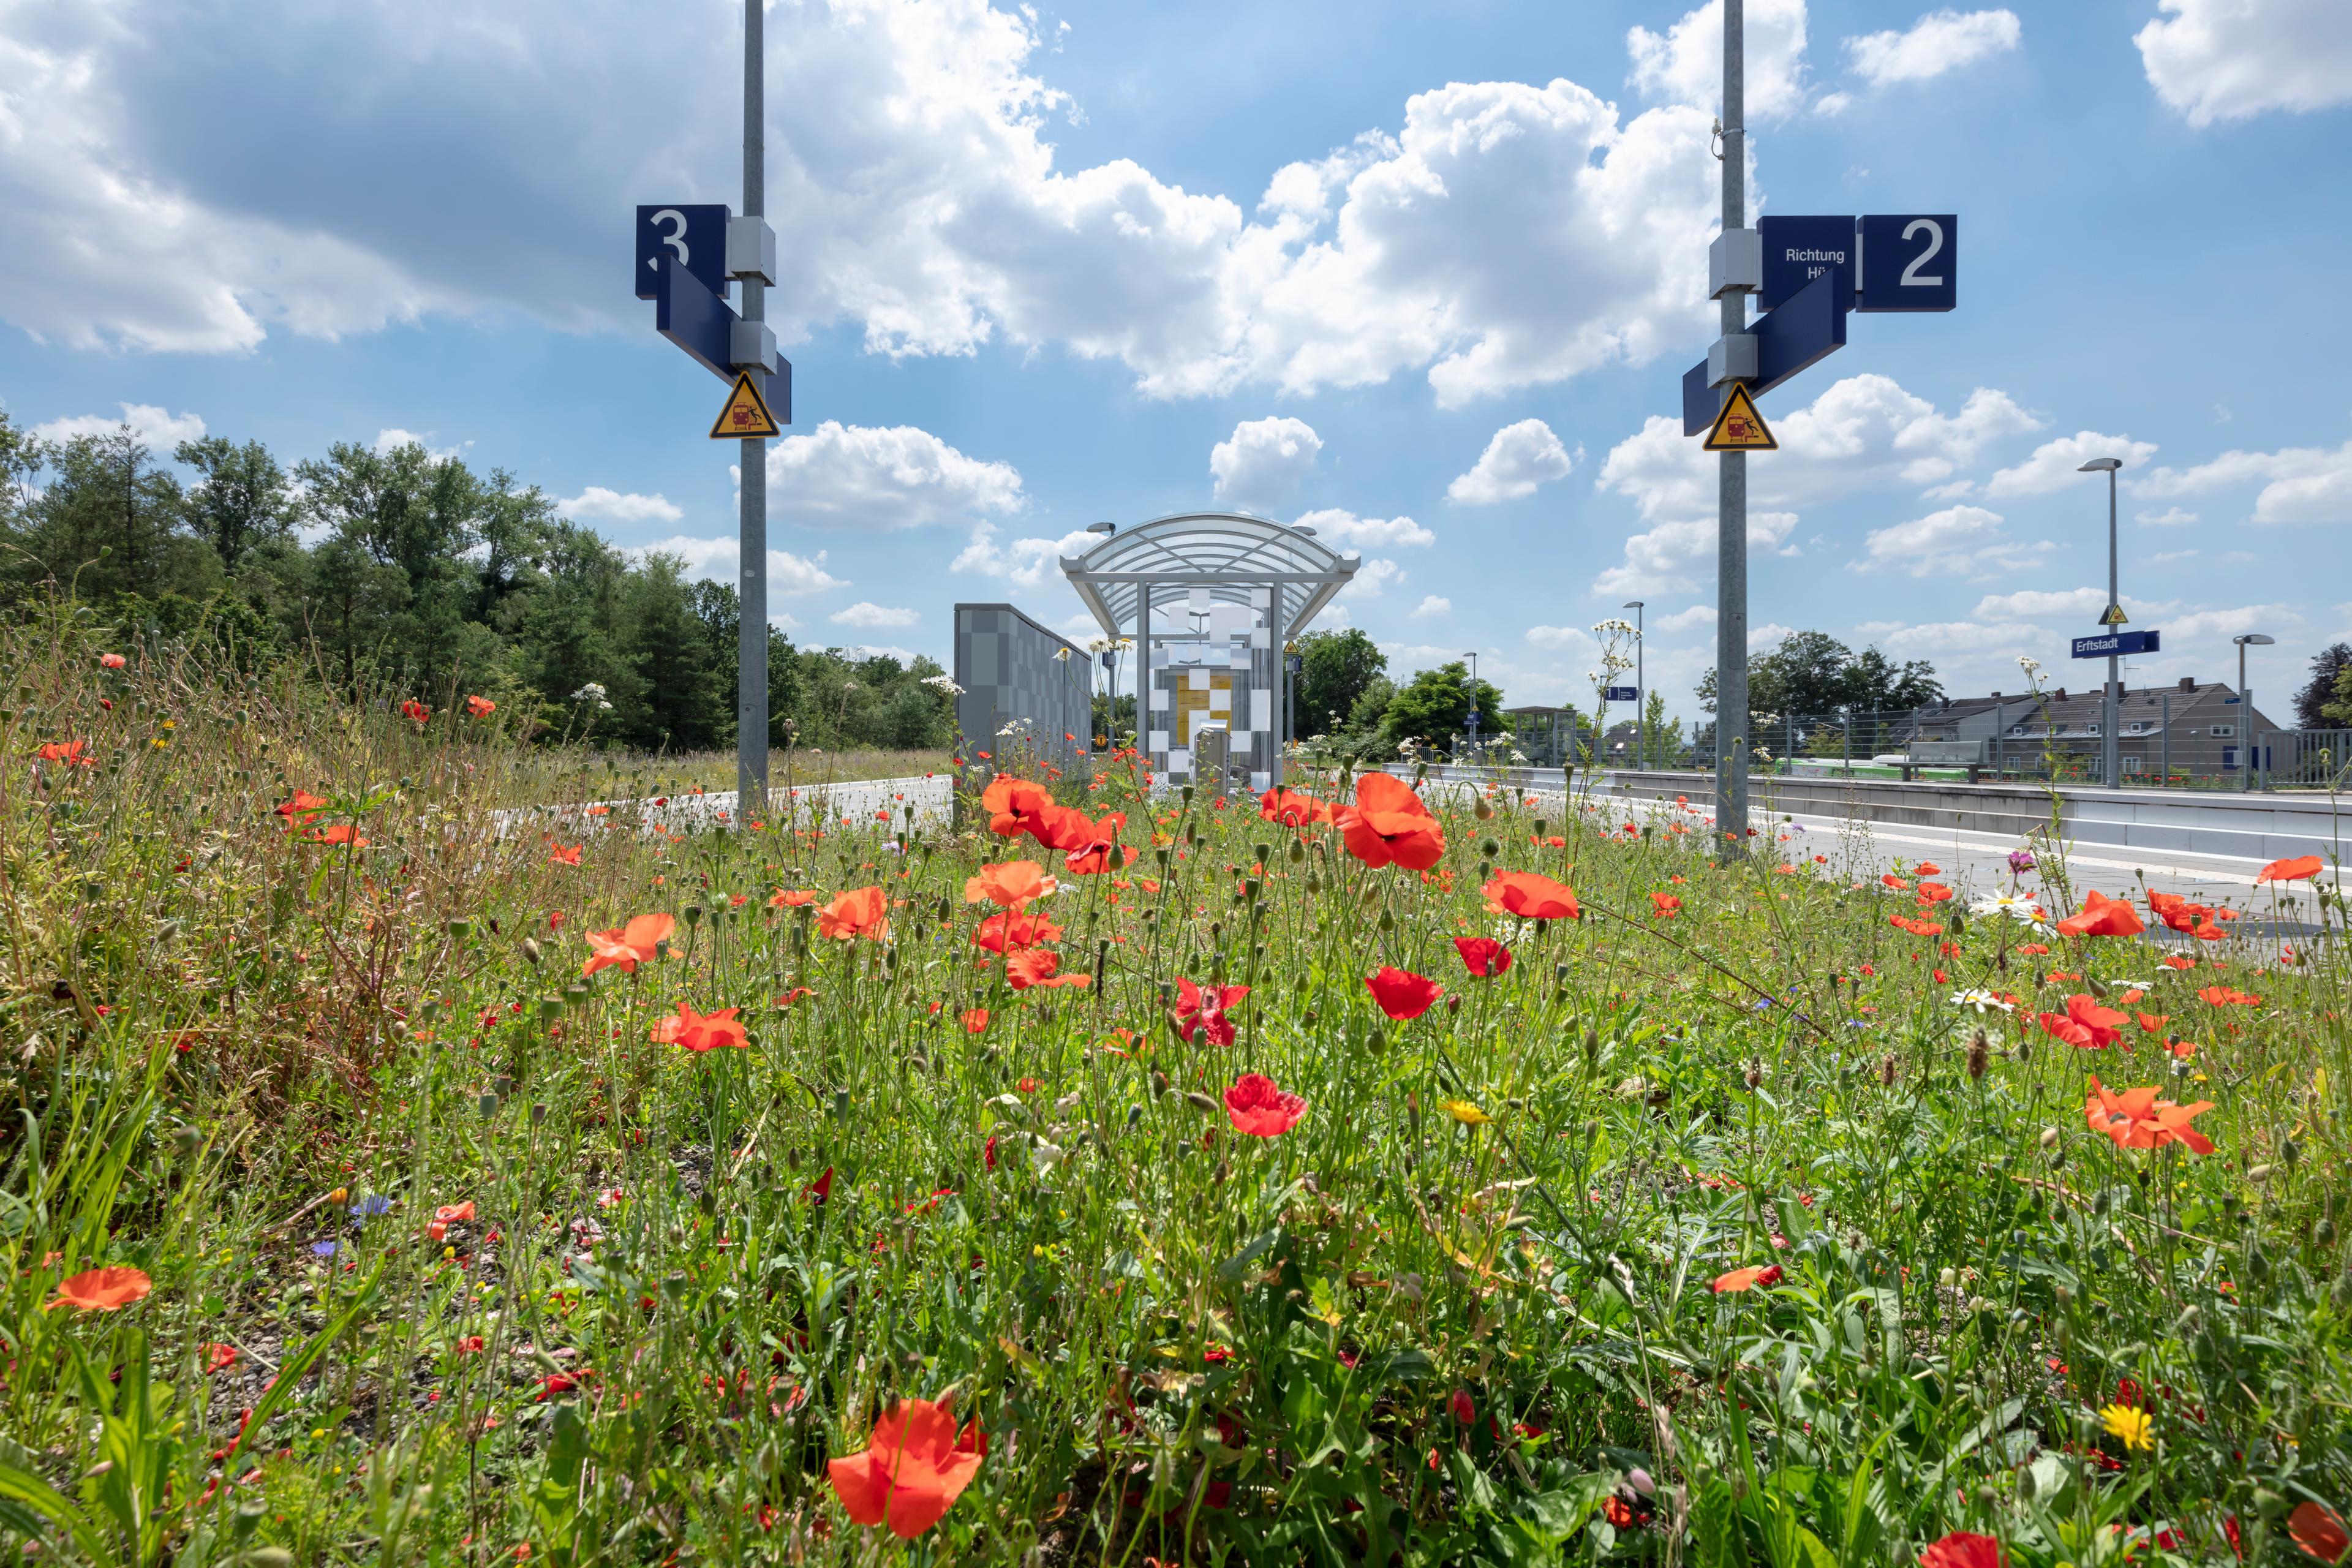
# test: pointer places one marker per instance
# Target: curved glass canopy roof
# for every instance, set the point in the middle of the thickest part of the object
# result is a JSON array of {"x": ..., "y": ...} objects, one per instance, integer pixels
[{"x": 1227, "y": 553}]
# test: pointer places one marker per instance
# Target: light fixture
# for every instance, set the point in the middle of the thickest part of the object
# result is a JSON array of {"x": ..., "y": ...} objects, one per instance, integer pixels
[
  {"x": 1102, "y": 528},
  {"x": 2101, "y": 466}
]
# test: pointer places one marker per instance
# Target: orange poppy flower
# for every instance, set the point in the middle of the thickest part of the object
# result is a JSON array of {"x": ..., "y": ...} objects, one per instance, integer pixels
[
  {"x": 1402, "y": 993},
  {"x": 2033, "y": 950},
  {"x": 1934, "y": 892},
  {"x": 1292, "y": 809},
  {"x": 2152, "y": 1023},
  {"x": 2136, "y": 1119},
  {"x": 480, "y": 707},
  {"x": 1010, "y": 884},
  {"x": 1531, "y": 896},
  {"x": 626, "y": 947},
  {"x": 1927, "y": 868},
  {"x": 340, "y": 833},
  {"x": 2314, "y": 1526},
  {"x": 1766, "y": 1275},
  {"x": 102, "y": 1290},
  {"x": 416, "y": 711},
  {"x": 1016, "y": 806},
  {"x": 1035, "y": 966},
  {"x": 975, "y": 1020},
  {"x": 1666, "y": 905},
  {"x": 112, "y": 660},
  {"x": 701, "y": 1031},
  {"x": 448, "y": 1215},
  {"x": 911, "y": 1470},
  {"x": 2229, "y": 996},
  {"x": 558, "y": 855},
  {"x": 303, "y": 806},
  {"x": 1258, "y": 1108},
  {"x": 2293, "y": 870},
  {"x": 1009, "y": 932},
  {"x": 1483, "y": 956},
  {"x": 219, "y": 1358},
  {"x": 791, "y": 900},
  {"x": 2102, "y": 916},
  {"x": 861, "y": 911},
  {"x": 1961, "y": 1549},
  {"x": 1388, "y": 825},
  {"x": 72, "y": 754},
  {"x": 1093, "y": 846}
]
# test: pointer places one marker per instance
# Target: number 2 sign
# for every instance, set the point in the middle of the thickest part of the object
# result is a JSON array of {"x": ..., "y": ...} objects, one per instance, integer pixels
[{"x": 1910, "y": 262}]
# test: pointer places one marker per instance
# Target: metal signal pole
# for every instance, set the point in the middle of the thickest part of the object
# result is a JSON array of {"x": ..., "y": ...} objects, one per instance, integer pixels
[
  {"x": 752, "y": 648},
  {"x": 1731, "y": 528}
]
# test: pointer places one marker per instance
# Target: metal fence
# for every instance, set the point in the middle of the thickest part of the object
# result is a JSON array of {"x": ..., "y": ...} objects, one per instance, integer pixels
[
  {"x": 1931, "y": 743},
  {"x": 2305, "y": 759}
]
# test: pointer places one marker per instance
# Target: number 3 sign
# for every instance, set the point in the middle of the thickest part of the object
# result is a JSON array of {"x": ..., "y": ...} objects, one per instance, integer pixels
[
  {"x": 1910, "y": 262},
  {"x": 694, "y": 236}
]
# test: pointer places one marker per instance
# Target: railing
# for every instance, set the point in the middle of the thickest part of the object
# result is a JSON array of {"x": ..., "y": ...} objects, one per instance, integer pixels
[{"x": 2305, "y": 759}]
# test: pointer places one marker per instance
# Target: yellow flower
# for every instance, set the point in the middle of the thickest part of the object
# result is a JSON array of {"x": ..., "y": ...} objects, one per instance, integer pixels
[
  {"x": 1466, "y": 1113},
  {"x": 2135, "y": 1427}
]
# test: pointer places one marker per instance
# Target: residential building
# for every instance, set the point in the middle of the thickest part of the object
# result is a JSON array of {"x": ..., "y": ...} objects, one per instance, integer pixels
[{"x": 2194, "y": 727}]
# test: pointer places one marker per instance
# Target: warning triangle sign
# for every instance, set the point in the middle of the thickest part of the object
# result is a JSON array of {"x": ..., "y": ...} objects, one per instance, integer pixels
[
  {"x": 746, "y": 414},
  {"x": 1739, "y": 428},
  {"x": 2114, "y": 617}
]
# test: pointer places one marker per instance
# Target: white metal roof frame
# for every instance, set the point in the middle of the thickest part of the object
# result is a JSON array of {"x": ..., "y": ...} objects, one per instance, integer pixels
[{"x": 1228, "y": 553}]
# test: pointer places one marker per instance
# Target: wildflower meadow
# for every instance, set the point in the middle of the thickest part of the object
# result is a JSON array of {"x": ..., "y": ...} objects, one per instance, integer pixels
[{"x": 422, "y": 1147}]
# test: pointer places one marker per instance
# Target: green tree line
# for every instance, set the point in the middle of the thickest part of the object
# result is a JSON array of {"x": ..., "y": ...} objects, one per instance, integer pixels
[{"x": 399, "y": 574}]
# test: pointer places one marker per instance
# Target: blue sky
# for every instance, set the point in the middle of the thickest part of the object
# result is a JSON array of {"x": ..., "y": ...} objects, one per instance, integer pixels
[{"x": 1428, "y": 271}]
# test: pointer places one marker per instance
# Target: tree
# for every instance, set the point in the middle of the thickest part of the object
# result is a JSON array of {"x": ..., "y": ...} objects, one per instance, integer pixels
[
  {"x": 241, "y": 501},
  {"x": 1661, "y": 739},
  {"x": 1337, "y": 668},
  {"x": 2311, "y": 703},
  {"x": 112, "y": 522},
  {"x": 1811, "y": 674},
  {"x": 1434, "y": 707}
]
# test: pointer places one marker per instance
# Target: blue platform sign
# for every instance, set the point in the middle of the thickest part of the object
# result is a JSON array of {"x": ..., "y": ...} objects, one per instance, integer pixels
[
  {"x": 1910, "y": 261},
  {"x": 1803, "y": 331},
  {"x": 700, "y": 322},
  {"x": 2118, "y": 643},
  {"x": 693, "y": 236},
  {"x": 1799, "y": 250},
  {"x": 1621, "y": 694}
]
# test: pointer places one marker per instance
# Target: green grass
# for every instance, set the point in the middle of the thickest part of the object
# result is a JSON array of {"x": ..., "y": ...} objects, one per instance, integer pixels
[{"x": 1183, "y": 1344}]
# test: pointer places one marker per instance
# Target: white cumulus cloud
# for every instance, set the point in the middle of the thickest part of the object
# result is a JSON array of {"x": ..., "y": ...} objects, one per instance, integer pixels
[
  {"x": 159, "y": 429},
  {"x": 1372, "y": 577},
  {"x": 2082, "y": 604},
  {"x": 2299, "y": 484},
  {"x": 1957, "y": 540},
  {"x": 1685, "y": 63},
  {"x": 1432, "y": 604},
  {"x": 2229, "y": 59},
  {"x": 1026, "y": 562},
  {"x": 2057, "y": 465},
  {"x": 1938, "y": 42},
  {"x": 878, "y": 479},
  {"x": 597, "y": 504},
  {"x": 1674, "y": 556},
  {"x": 869, "y": 616},
  {"x": 787, "y": 574},
  {"x": 1261, "y": 465},
  {"x": 1334, "y": 526},
  {"x": 1519, "y": 457}
]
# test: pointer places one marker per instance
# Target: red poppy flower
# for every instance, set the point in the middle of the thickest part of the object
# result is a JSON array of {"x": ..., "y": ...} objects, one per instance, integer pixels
[
  {"x": 1532, "y": 896},
  {"x": 2102, "y": 916},
  {"x": 1934, "y": 892},
  {"x": 2314, "y": 1526},
  {"x": 557, "y": 855},
  {"x": 2229, "y": 996},
  {"x": 480, "y": 707},
  {"x": 2293, "y": 870},
  {"x": 2136, "y": 1119},
  {"x": 701, "y": 1032},
  {"x": 1388, "y": 825},
  {"x": 219, "y": 1358},
  {"x": 911, "y": 1470},
  {"x": 785, "y": 900},
  {"x": 446, "y": 1216},
  {"x": 1010, "y": 884},
  {"x": 1010, "y": 933},
  {"x": 1962, "y": 1549},
  {"x": 1030, "y": 966},
  {"x": 1014, "y": 805},
  {"x": 102, "y": 1290},
  {"x": 73, "y": 754},
  {"x": 1483, "y": 956},
  {"x": 1928, "y": 868},
  {"x": 1206, "y": 1010},
  {"x": 1258, "y": 1108},
  {"x": 301, "y": 809},
  {"x": 626, "y": 947},
  {"x": 860, "y": 912},
  {"x": 1666, "y": 905},
  {"x": 1403, "y": 994},
  {"x": 974, "y": 1020},
  {"x": 1462, "y": 1407},
  {"x": 1764, "y": 1274},
  {"x": 416, "y": 711},
  {"x": 1292, "y": 809},
  {"x": 112, "y": 660}
]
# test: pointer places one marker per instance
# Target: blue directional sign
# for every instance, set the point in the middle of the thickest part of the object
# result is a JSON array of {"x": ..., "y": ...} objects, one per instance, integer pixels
[
  {"x": 1801, "y": 334},
  {"x": 1910, "y": 261},
  {"x": 2122, "y": 644},
  {"x": 693, "y": 236},
  {"x": 1799, "y": 250},
  {"x": 699, "y": 321},
  {"x": 1621, "y": 694}
]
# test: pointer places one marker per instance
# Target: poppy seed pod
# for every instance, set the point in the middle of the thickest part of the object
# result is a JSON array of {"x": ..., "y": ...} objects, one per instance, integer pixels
[
  {"x": 1481, "y": 810},
  {"x": 2049, "y": 1138},
  {"x": 1376, "y": 1042},
  {"x": 693, "y": 913},
  {"x": 530, "y": 950}
]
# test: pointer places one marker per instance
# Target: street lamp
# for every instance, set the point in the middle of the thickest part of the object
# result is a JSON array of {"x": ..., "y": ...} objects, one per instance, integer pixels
[
  {"x": 2246, "y": 708},
  {"x": 1473, "y": 657},
  {"x": 2111, "y": 714},
  {"x": 1641, "y": 690}
]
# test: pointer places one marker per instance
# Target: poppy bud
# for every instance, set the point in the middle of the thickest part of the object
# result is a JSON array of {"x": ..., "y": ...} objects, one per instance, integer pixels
[
  {"x": 2325, "y": 1233},
  {"x": 1453, "y": 1004},
  {"x": 529, "y": 950},
  {"x": 1490, "y": 849},
  {"x": 2098, "y": 987},
  {"x": 693, "y": 913},
  {"x": 1481, "y": 810},
  {"x": 1297, "y": 850},
  {"x": 1203, "y": 1103},
  {"x": 189, "y": 1141},
  {"x": 1377, "y": 1041},
  {"x": 461, "y": 928}
]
